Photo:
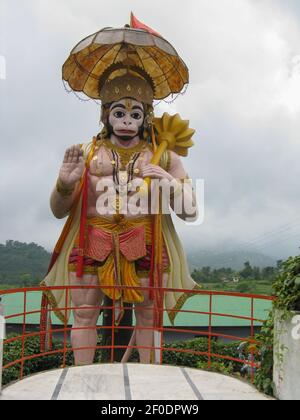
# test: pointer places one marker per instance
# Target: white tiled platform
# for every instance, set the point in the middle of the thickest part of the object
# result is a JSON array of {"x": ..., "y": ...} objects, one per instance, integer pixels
[{"x": 130, "y": 382}]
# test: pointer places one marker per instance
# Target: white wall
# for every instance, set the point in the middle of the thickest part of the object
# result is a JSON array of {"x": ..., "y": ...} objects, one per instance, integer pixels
[{"x": 287, "y": 358}]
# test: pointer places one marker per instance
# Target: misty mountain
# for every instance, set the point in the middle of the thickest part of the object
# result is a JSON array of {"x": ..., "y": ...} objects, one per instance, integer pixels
[
  {"x": 230, "y": 259},
  {"x": 22, "y": 263}
]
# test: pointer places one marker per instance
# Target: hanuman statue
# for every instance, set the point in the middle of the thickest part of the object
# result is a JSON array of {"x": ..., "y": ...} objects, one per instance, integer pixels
[{"x": 118, "y": 238}]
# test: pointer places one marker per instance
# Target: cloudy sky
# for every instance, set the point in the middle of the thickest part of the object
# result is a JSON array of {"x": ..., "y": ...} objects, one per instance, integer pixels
[{"x": 243, "y": 99}]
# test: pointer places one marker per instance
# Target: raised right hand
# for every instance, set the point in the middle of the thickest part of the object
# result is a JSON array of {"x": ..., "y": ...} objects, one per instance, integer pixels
[{"x": 72, "y": 168}]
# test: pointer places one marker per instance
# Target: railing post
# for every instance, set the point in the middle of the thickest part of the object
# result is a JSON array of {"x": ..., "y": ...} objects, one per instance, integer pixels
[
  {"x": 162, "y": 329},
  {"x": 210, "y": 329},
  {"x": 23, "y": 334},
  {"x": 2, "y": 337},
  {"x": 252, "y": 337},
  {"x": 66, "y": 327},
  {"x": 113, "y": 324}
]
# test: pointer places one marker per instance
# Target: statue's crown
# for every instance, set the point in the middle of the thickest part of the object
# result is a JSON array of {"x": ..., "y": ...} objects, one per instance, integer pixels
[{"x": 127, "y": 86}]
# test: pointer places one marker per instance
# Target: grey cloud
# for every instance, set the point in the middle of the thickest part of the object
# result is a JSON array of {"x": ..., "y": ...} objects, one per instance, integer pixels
[{"x": 240, "y": 101}]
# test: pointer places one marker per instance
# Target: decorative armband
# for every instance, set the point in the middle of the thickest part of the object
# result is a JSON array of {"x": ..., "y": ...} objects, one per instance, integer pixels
[{"x": 62, "y": 190}]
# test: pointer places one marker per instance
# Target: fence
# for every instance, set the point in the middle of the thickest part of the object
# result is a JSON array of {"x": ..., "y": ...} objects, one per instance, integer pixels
[{"x": 159, "y": 326}]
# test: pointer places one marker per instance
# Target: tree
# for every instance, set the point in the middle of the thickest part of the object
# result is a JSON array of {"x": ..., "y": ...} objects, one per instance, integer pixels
[
  {"x": 243, "y": 288},
  {"x": 22, "y": 263},
  {"x": 247, "y": 272}
]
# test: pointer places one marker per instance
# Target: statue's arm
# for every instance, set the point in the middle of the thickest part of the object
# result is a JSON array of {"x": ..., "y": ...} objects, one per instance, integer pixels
[
  {"x": 64, "y": 193},
  {"x": 60, "y": 203}
]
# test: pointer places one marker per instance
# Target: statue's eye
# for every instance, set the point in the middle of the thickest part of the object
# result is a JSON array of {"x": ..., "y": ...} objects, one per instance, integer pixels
[
  {"x": 119, "y": 114},
  {"x": 136, "y": 116}
]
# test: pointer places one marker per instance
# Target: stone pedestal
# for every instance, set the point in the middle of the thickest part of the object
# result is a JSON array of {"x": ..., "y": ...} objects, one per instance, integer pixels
[{"x": 111, "y": 382}]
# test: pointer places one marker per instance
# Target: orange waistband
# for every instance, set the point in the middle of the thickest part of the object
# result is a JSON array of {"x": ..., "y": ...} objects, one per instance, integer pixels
[{"x": 123, "y": 225}]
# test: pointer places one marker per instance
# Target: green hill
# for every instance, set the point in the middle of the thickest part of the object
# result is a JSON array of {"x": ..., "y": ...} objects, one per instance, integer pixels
[
  {"x": 231, "y": 259},
  {"x": 22, "y": 264}
]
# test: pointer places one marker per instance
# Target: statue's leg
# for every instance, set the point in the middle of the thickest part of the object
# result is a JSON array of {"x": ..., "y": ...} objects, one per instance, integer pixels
[
  {"x": 85, "y": 316},
  {"x": 144, "y": 313}
]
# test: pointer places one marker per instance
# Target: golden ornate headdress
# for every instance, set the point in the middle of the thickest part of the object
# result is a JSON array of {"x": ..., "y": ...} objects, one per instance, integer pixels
[
  {"x": 126, "y": 86},
  {"x": 126, "y": 82}
]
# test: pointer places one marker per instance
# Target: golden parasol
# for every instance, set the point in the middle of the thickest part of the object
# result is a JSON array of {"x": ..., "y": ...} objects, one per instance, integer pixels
[{"x": 132, "y": 47}]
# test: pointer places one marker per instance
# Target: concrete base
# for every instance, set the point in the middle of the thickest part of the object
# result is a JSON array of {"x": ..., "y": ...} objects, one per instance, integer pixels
[
  {"x": 130, "y": 382},
  {"x": 286, "y": 359}
]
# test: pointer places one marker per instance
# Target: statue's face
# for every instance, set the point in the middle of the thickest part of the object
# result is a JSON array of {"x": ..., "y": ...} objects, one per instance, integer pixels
[{"x": 126, "y": 118}]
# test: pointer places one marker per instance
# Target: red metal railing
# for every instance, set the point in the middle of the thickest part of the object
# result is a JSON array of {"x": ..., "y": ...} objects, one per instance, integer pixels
[{"x": 210, "y": 334}]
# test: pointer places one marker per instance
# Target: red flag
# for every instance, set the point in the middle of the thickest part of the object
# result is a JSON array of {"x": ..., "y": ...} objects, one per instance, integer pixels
[{"x": 136, "y": 24}]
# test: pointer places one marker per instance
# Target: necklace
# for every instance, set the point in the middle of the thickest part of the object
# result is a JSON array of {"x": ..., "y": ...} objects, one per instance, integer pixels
[
  {"x": 126, "y": 156},
  {"x": 123, "y": 175},
  {"x": 124, "y": 161}
]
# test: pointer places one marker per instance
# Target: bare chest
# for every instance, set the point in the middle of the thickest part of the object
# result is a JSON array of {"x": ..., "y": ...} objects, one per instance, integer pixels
[{"x": 119, "y": 166}]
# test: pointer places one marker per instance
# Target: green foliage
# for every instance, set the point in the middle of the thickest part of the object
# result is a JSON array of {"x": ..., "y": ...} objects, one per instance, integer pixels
[
  {"x": 219, "y": 367},
  {"x": 287, "y": 287},
  {"x": 243, "y": 288},
  {"x": 247, "y": 272},
  {"x": 13, "y": 351},
  {"x": 264, "y": 376},
  {"x": 253, "y": 287},
  {"x": 178, "y": 354},
  {"x": 287, "y": 293},
  {"x": 249, "y": 280},
  {"x": 22, "y": 264},
  {"x": 207, "y": 275},
  {"x": 176, "y": 358}
]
